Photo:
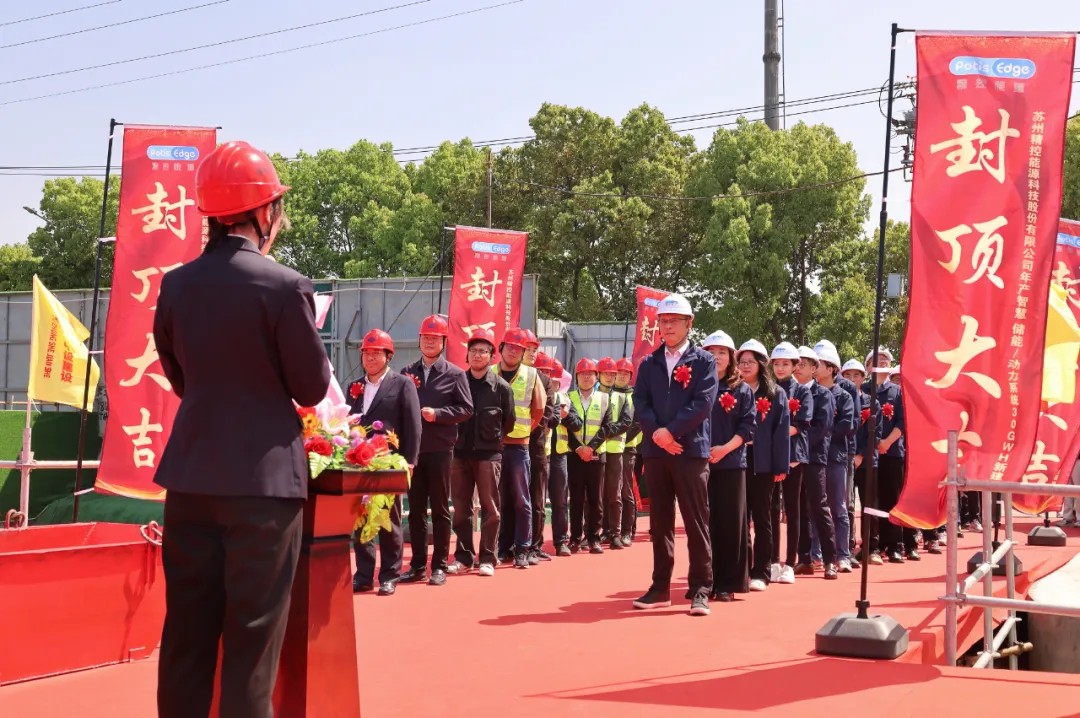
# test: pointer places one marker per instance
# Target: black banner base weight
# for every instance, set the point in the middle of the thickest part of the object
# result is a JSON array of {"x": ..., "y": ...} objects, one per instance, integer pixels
[
  {"x": 1046, "y": 536},
  {"x": 876, "y": 636},
  {"x": 999, "y": 570}
]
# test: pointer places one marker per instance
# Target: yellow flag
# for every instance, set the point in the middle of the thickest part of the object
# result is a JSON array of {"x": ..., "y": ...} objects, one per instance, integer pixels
[
  {"x": 1062, "y": 348},
  {"x": 58, "y": 356}
]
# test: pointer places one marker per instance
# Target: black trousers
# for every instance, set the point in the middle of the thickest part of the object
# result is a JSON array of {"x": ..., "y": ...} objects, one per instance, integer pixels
[
  {"x": 390, "y": 551},
  {"x": 629, "y": 503},
  {"x": 685, "y": 479},
  {"x": 229, "y": 567},
  {"x": 612, "y": 495},
  {"x": 430, "y": 482},
  {"x": 970, "y": 507},
  {"x": 864, "y": 500},
  {"x": 815, "y": 507},
  {"x": 759, "y": 498},
  {"x": 890, "y": 484},
  {"x": 540, "y": 468},
  {"x": 729, "y": 530},
  {"x": 790, "y": 492},
  {"x": 586, "y": 483}
]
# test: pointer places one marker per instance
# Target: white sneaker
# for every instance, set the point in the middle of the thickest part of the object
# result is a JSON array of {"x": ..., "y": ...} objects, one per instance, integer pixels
[
  {"x": 774, "y": 572},
  {"x": 756, "y": 584},
  {"x": 845, "y": 566},
  {"x": 787, "y": 575},
  {"x": 457, "y": 568},
  {"x": 486, "y": 569}
]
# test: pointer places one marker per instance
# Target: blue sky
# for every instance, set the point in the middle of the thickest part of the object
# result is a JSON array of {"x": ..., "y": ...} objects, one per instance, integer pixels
[{"x": 480, "y": 76}]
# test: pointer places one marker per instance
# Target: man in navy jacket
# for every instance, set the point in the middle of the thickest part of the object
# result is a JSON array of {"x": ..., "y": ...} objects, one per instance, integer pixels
[{"x": 673, "y": 399}]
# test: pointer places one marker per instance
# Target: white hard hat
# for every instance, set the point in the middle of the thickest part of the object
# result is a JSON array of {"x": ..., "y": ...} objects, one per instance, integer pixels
[
  {"x": 808, "y": 353},
  {"x": 785, "y": 350},
  {"x": 854, "y": 365},
  {"x": 828, "y": 354},
  {"x": 753, "y": 345},
  {"x": 824, "y": 343},
  {"x": 718, "y": 339},
  {"x": 674, "y": 304},
  {"x": 895, "y": 370},
  {"x": 881, "y": 350}
]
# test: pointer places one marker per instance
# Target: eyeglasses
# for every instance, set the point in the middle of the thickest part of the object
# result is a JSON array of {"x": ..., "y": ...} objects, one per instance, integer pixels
[
  {"x": 748, "y": 363},
  {"x": 478, "y": 351}
]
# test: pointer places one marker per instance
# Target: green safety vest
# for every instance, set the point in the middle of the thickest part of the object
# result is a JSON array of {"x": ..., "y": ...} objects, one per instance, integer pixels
[
  {"x": 522, "y": 387},
  {"x": 592, "y": 419},
  {"x": 616, "y": 444},
  {"x": 636, "y": 441},
  {"x": 562, "y": 440}
]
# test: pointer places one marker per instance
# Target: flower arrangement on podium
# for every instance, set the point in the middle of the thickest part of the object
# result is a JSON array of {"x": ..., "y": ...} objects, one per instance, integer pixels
[{"x": 335, "y": 439}]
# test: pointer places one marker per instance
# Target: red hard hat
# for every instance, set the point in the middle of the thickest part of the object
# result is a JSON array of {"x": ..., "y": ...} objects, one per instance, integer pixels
[
  {"x": 556, "y": 369},
  {"x": 624, "y": 364},
  {"x": 434, "y": 326},
  {"x": 517, "y": 337},
  {"x": 482, "y": 335},
  {"x": 585, "y": 365},
  {"x": 542, "y": 363},
  {"x": 235, "y": 178},
  {"x": 377, "y": 339},
  {"x": 530, "y": 339},
  {"x": 605, "y": 364}
]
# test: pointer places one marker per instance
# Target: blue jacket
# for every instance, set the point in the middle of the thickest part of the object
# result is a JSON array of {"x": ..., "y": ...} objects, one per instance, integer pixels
[
  {"x": 891, "y": 401},
  {"x": 864, "y": 428},
  {"x": 821, "y": 425},
  {"x": 843, "y": 430},
  {"x": 800, "y": 419},
  {"x": 853, "y": 392},
  {"x": 660, "y": 402},
  {"x": 771, "y": 445},
  {"x": 741, "y": 420}
]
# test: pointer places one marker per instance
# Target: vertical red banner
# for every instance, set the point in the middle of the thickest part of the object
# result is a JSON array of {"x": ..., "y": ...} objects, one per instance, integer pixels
[
  {"x": 1057, "y": 442},
  {"x": 647, "y": 334},
  {"x": 489, "y": 265},
  {"x": 989, "y": 147},
  {"x": 158, "y": 230}
]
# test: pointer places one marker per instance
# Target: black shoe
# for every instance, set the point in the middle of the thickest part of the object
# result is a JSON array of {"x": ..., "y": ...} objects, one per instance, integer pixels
[
  {"x": 627, "y": 542},
  {"x": 438, "y": 578},
  {"x": 360, "y": 587},
  {"x": 521, "y": 560},
  {"x": 913, "y": 555},
  {"x": 616, "y": 544},
  {"x": 532, "y": 558},
  {"x": 804, "y": 569},
  {"x": 575, "y": 547},
  {"x": 596, "y": 548},
  {"x": 507, "y": 558},
  {"x": 388, "y": 588},
  {"x": 895, "y": 557},
  {"x": 541, "y": 554},
  {"x": 725, "y": 597},
  {"x": 856, "y": 564},
  {"x": 653, "y": 599},
  {"x": 933, "y": 547},
  {"x": 563, "y": 550},
  {"x": 700, "y": 605},
  {"x": 414, "y": 575}
]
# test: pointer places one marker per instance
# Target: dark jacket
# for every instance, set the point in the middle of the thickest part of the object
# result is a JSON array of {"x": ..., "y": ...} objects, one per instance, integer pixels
[
  {"x": 772, "y": 447},
  {"x": 536, "y": 438},
  {"x": 864, "y": 428},
  {"x": 447, "y": 392},
  {"x": 821, "y": 425},
  {"x": 660, "y": 402},
  {"x": 891, "y": 401},
  {"x": 235, "y": 333},
  {"x": 397, "y": 406},
  {"x": 843, "y": 430},
  {"x": 635, "y": 428},
  {"x": 800, "y": 419},
  {"x": 739, "y": 420},
  {"x": 492, "y": 418},
  {"x": 856, "y": 398},
  {"x": 575, "y": 422}
]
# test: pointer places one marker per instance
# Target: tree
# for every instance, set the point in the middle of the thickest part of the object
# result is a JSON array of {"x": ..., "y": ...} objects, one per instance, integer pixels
[
  {"x": 67, "y": 243},
  {"x": 1070, "y": 201},
  {"x": 17, "y": 268}
]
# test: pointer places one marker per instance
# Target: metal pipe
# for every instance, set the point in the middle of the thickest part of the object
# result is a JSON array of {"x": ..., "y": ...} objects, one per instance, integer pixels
[
  {"x": 986, "y": 659},
  {"x": 26, "y": 458},
  {"x": 951, "y": 560},
  {"x": 986, "y": 568},
  {"x": 1010, "y": 578},
  {"x": 58, "y": 464},
  {"x": 1017, "y": 604},
  {"x": 1015, "y": 487},
  {"x": 988, "y": 576}
]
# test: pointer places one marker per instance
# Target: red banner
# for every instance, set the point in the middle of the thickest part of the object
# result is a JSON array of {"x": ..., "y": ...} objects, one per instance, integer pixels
[
  {"x": 647, "y": 335},
  {"x": 489, "y": 265},
  {"x": 1057, "y": 443},
  {"x": 989, "y": 146},
  {"x": 158, "y": 230}
]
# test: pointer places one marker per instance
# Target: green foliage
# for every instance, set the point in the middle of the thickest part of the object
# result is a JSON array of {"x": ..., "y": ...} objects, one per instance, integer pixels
[
  {"x": 67, "y": 243},
  {"x": 1070, "y": 201},
  {"x": 17, "y": 268}
]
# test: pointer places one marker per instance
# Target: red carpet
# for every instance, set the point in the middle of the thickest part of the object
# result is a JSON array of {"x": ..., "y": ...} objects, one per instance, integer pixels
[{"x": 562, "y": 639}]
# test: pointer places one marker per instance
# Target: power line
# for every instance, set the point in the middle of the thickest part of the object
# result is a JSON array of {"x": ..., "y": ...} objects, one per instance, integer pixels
[
  {"x": 114, "y": 24},
  {"x": 59, "y": 12},
  {"x": 213, "y": 44},
  {"x": 264, "y": 55}
]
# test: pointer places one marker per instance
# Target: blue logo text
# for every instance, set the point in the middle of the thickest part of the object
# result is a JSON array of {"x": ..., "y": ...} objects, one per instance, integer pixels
[
  {"x": 996, "y": 67},
  {"x": 168, "y": 153}
]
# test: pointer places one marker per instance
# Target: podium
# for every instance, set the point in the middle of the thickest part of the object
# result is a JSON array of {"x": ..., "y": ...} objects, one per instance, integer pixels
[{"x": 318, "y": 676}]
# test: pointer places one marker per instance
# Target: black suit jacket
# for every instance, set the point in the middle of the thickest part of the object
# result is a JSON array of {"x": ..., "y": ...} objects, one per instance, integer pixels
[
  {"x": 397, "y": 406},
  {"x": 236, "y": 336},
  {"x": 446, "y": 390}
]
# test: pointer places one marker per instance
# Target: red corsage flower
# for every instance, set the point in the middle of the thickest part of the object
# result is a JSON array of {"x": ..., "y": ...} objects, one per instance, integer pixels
[
  {"x": 415, "y": 379},
  {"x": 865, "y": 415},
  {"x": 318, "y": 445},
  {"x": 356, "y": 390},
  {"x": 793, "y": 406},
  {"x": 727, "y": 400},
  {"x": 682, "y": 375},
  {"x": 887, "y": 410},
  {"x": 361, "y": 455},
  {"x": 763, "y": 406}
]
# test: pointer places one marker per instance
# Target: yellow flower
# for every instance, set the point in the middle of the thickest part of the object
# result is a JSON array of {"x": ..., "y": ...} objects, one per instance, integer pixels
[
  {"x": 392, "y": 439},
  {"x": 311, "y": 424}
]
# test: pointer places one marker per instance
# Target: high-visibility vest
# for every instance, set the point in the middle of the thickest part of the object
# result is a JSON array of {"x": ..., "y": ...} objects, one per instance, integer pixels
[
  {"x": 522, "y": 387},
  {"x": 636, "y": 441},
  {"x": 616, "y": 444},
  {"x": 562, "y": 437},
  {"x": 591, "y": 419}
]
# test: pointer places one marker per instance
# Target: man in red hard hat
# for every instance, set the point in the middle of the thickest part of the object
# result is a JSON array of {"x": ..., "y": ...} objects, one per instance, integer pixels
[
  {"x": 588, "y": 422},
  {"x": 385, "y": 396},
  {"x": 236, "y": 337},
  {"x": 539, "y": 465},
  {"x": 624, "y": 374},
  {"x": 445, "y": 402},
  {"x": 558, "y": 448},
  {"x": 611, "y": 490}
]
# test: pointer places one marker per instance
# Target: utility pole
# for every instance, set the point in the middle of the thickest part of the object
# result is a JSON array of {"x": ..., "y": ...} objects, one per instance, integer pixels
[
  {"x": 489, "y": 186},
  {"x": 772, "y": 66}
]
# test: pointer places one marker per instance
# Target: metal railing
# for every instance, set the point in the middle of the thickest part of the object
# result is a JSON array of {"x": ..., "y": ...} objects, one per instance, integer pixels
[{"x": 956, "y": 592}]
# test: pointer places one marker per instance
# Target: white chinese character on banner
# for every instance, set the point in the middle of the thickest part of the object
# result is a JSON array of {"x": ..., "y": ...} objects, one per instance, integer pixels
[
  {"x": 985, "y": 259},
  {"x": 143, "y": 275},
  {"x": 1036, "y": 470},
  {"x": 472, "y": 328},
  {"x": 971, "y": 345},
  {"x": 160, "y": 214},
  {"x": 143, "y": 456},
  {"x": 973, "y": 149},
  {"x": 968, "y": 437},
  {"x": 648, "y": 331},
  {"x": 480, "y": 289},
  {"x": 142, "y": 363}
]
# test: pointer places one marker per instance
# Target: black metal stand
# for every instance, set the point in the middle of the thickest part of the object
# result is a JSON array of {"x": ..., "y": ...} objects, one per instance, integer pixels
[
  {"x": 1046, "y": 535},
  {"x": 862, "y": 634},
  {"x": 113, "y": 124},
  {"x": 442, "y": 266}
]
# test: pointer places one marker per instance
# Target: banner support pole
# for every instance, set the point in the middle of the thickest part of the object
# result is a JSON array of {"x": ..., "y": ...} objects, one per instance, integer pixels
[
  {"x": 113, "y": 124},
  {"x": 442, "y": 266},
  {"x": 860, "y": 635}
]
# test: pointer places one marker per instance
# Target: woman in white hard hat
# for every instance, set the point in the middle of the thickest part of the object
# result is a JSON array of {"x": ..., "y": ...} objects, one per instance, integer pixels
[
  {"x": 843, "y": 429},
  {"x": 854, "y": 371},
  {"x": 733, "y": 425},
  {"x": 897, "y": 542},
  {"x": 855, "y": 393},
  {"x": 766, "y": 456},
  {"x": 800, "y": 407}
]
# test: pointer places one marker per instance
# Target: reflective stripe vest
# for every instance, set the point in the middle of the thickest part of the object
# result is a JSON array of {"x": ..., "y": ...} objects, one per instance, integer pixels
[
  {"x": 616, "y": 444},
  {"x": 562, "y": 443},
  {"x": 636, "y": 441},
  {"x": 592, "y": 419},
  {"x": 522, "y": 387}
]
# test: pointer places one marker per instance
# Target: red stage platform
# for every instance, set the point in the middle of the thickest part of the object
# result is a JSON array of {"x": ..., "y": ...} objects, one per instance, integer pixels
[{"x": 562, "y": 639}]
